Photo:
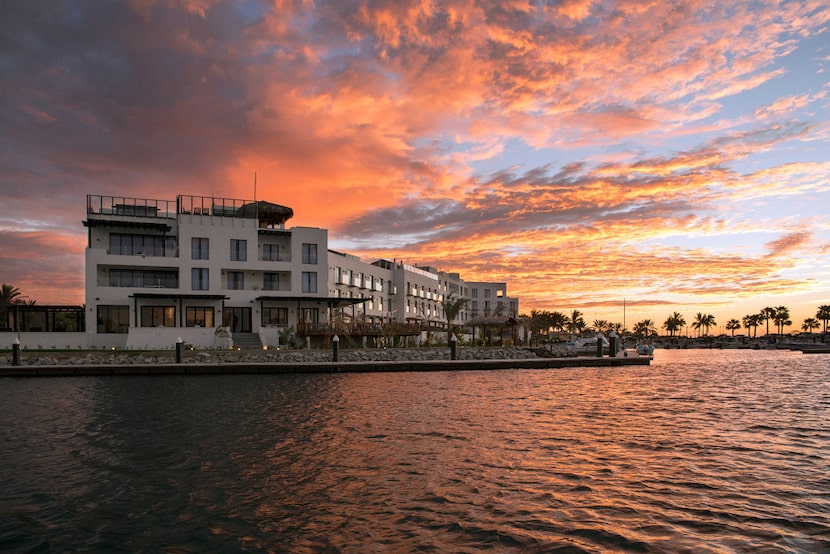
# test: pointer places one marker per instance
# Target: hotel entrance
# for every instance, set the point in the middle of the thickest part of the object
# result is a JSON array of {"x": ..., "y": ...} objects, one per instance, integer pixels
[{"x": 238, "y": 319}]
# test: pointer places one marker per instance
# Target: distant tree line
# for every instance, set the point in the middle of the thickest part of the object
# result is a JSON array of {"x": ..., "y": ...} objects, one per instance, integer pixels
[{"x": 544, "y": 323}]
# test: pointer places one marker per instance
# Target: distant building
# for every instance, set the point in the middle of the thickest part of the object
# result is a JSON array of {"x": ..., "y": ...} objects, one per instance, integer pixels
[{"x": 198, "y": 266}]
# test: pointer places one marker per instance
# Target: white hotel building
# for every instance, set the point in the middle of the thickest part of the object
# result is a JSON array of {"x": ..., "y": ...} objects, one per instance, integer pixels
[{"x": 159, "y": 270}]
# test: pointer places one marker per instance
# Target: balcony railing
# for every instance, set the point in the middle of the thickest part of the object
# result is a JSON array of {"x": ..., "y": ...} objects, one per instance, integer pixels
[
  {"x": 133, "y": 207},
  {"x": 360, "y": 329}
]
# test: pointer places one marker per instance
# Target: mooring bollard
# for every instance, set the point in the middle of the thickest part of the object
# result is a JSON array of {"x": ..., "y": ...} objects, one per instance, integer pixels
[
  {"x": 335, "y": 347},
  {"x": 16, "y": 351},
  {"x": 179, "y": 350},
  {"x": 599, "y": 346},
  {"x": 612, "y": 344},
  {"x": 453, "y": 347}
]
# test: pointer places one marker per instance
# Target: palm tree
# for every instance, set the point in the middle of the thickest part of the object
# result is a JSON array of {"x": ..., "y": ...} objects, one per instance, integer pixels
[
  {"x": 674, "y": 323},
  {"x": 601, "y": 325},
  {"x": 809, "y": 324},
  {"x": 782, "y": 318},
  {"x": 576, "y": 323},
  {"x": 9, "y": 296},
  {"x": 703, "y": 321},
  {"x": 452, "y": 307},
  {"x": 766, "y": 314},
  {"x": 645, "y": 328},
  {"x": 823, "y": 314},
  {"x": 733, "y": 325},
  {"x": 558, "y": 321}
]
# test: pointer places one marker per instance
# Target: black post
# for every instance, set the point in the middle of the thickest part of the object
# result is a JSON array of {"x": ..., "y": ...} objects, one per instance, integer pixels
[
  {"x": 612, "y": 344},
  {"x": 16, "y": 352},
  {"x": 335, "y": 348},
  {"x": 599, "y": 346},
  {"x": 453, "y": 347},
  {"x": 179, "y": 350}
]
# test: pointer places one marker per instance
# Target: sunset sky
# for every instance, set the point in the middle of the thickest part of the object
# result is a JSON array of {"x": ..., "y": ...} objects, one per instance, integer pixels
[{"x": 672, "y": 154}]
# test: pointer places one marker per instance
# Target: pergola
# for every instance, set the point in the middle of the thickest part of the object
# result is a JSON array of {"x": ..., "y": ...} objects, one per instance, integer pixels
[{"x": 488, "y": 324}]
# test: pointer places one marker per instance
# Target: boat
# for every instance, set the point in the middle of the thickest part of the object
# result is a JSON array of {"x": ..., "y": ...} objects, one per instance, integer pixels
[{"x": 645, "y": 349}]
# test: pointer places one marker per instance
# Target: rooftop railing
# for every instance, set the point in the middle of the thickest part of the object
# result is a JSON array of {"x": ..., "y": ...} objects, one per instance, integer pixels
[
  {"x": 221, "y": 207},
  {"x": 126, "y": 206}
]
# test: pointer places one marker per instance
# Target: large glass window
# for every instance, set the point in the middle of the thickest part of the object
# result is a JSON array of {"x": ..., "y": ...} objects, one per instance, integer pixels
[
  {"x": 199, "y": 278},
  {"x": 271, "y": 252},
  {"x": 113, "y": 319},
  {"x": 236, "y": 280},
  {"x": 133, "y": 245},
  {"x": 270, "y": 281},
  {"x": 309, "y": 281},
  {"x": 158, "y": 316},
  {"x": 144, "y": 278},
  {"x": 275, "y": 316},
  {"x": 309, "y": 253},
  {"x": 198, "y": 316},
  {"x": 199, "y": 248},
  {"x": 309, "y": 315},
  {"x": 239, "y": 250}
]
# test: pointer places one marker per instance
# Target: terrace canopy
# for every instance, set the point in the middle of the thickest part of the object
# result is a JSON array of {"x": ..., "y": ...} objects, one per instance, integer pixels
[{"x": 487, "y": 326}]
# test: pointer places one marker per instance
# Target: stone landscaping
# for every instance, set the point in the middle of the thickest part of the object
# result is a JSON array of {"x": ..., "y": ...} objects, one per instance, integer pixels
[{"x": 109, "y": 357}]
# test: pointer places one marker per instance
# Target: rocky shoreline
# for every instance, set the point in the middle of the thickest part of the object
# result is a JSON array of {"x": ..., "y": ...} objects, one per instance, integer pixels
[{"x": 109, "y": 357}]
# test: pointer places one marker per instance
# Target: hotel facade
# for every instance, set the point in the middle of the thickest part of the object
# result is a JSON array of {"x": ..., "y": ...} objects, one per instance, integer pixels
[{"x": 218, "y": 271}]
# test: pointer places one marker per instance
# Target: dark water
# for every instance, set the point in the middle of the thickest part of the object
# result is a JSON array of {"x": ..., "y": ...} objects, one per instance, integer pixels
[{"x": 704, "y": 451}]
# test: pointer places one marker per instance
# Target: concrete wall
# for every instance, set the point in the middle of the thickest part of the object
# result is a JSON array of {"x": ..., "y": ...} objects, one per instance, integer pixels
[{"x": 54, "y": 341}]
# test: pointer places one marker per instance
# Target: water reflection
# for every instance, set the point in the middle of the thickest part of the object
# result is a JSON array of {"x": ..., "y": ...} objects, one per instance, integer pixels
[{"x": 696, "y": 452}]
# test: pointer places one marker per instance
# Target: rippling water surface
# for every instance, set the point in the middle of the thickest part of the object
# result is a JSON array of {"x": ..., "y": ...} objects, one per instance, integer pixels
[{"x": 704, "y": 451}]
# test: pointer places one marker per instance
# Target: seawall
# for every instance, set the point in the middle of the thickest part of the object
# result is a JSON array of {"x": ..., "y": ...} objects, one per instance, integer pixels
[{"x": 263, "y": 368}]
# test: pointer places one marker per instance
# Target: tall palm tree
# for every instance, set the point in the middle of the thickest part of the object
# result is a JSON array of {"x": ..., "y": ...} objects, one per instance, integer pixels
[
  {"x": 766, "y": 314},
  {"x": 823, "y": 314},
  {"x": 576, "y": 323},
  {"x": 747, "y": 323},
  {"x": 782, "y": 318},
  {"x": 674, "y": 323},
  {"x": 452, "y": 307},
  {"x": 710, "y": 322},
  {"x": 9, "y": 296},
  {"x": 733, "y": 325},
  {"x": 704, "y": 322}
]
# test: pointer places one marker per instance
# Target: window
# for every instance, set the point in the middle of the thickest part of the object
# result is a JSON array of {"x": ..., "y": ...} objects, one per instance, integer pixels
[
  {"x": 199, "y": 248},
  {"x": 239, "y": 250},
  {"x": 236, "y": 280},
  {"x": 500, "y": 293},
  {"x": 275, "y": 316},
  {"x": 271, "y": 252},
  {"x": 158, "y": 316},
  {"x": 309, "y": 315},
  {"x": 133, "y": 245},
  {"x": 309, "y": 253},
  {"x": 113, "y": 319},
  {"x": 198, "y": 316},
  {"x": 486, "y": 293},
  {"x": 474, "y": 293},
  {"x": 270, "y": 281},
  {"x": 199, "y": 278},
  {"x": 309, "y": 281},
  {"x": 143, "y": 278}
]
